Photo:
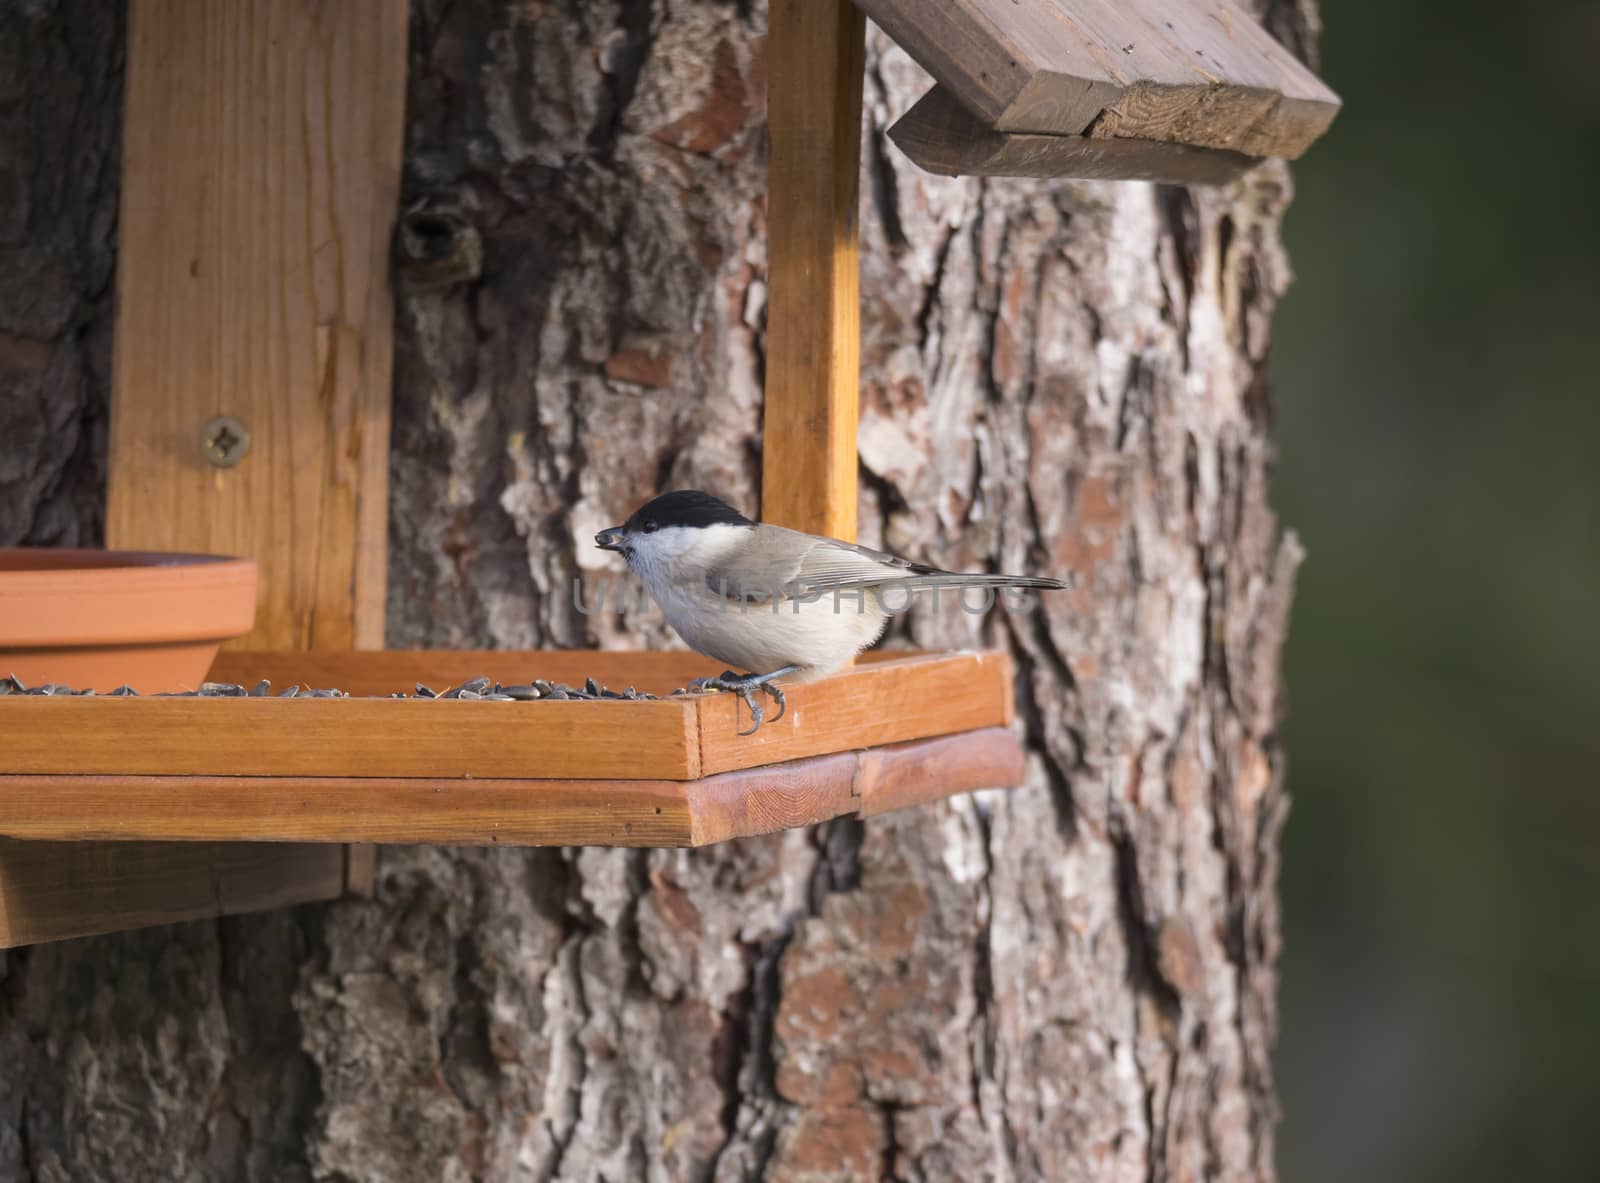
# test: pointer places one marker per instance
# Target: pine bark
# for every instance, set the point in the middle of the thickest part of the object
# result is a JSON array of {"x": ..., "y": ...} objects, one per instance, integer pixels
[{"x": 1070, "y": 980}]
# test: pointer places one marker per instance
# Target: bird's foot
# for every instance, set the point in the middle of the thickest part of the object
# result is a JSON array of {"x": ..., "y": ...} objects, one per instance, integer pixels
[{"x": 745, "y": 686}]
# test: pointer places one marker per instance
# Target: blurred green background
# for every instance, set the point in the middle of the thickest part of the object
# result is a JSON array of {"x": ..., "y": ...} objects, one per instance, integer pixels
[{"x": 1437, "y": 377}]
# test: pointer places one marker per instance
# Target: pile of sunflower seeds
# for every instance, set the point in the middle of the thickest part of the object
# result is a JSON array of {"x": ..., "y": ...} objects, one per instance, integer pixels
[{"x": 475, "y": 688}]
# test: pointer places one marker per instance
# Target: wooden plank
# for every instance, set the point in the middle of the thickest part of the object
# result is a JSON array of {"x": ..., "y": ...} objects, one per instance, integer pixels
[
  {"x": 51, "y": 891},
  {"x": 212, "y": 809},
  {"x": 867, "y": 783},
  {"x": 942, "y": 136},
  {"x": 1209, "y": 75},
  {"x": 895, "y": 697},
  {"x": 896, "y": 777},
  {"x": 776, "y": 797},
  {"x": 261, "y": 165},
  {"x": 872, "y": 705},
  {"x": 205, "y": 810},
  {"x": 372, "y": 737},
  {"x": 809, "y": 459},
  {"x": 1197, "y": 72}
]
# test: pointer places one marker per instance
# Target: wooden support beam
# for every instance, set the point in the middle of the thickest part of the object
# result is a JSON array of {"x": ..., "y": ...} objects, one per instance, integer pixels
[
  {"x": 809, "y": 464},
  {"x": 51, "y": 891},
  {"x": 260, "y": 178}
]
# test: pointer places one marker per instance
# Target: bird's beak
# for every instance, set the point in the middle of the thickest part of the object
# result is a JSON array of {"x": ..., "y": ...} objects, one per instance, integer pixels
[{"x": 609, "y": 539}]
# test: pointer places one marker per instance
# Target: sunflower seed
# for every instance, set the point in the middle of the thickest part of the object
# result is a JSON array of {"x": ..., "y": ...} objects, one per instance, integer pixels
[{"x": 480, "y": 688}]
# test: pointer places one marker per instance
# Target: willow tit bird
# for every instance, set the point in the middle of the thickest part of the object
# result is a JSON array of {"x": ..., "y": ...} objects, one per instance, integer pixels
[{"x": 771, "y": 601}]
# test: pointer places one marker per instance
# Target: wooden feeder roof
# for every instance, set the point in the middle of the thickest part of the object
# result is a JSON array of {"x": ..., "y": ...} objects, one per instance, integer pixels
[{"x": 1180, "y": 90}]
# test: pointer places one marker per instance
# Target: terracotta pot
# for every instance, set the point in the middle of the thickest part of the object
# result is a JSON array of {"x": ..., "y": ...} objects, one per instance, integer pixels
[{"x": 101, "y": 618}]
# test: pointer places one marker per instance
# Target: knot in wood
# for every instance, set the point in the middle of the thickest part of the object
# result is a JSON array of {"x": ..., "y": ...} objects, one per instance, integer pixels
[{"x": 437, "y": 249}]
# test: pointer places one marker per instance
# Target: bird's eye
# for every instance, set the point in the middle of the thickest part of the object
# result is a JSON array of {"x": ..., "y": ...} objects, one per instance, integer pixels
[{"x": 650, "y": 526}]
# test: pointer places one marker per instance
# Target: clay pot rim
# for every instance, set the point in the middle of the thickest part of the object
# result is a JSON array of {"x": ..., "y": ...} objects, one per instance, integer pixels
[
  {"x": 31, "y": 560},
  {"x": 73, "y": 597}
]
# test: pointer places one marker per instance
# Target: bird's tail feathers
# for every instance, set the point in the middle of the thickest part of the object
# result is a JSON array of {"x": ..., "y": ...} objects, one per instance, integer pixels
[{"x": 956, "y": 579}]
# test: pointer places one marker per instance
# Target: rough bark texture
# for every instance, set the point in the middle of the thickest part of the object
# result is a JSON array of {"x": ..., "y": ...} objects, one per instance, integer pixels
[
  {"x": 60, "y": 135},
  {"x": 1073, "y": 980}
]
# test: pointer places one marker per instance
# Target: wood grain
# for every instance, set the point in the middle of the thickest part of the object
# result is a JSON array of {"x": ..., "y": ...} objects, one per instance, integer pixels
[
  {"x": 51, "y": 891},
  {"x": 523, "y": 812},
  {"x": 871, "y": 705},
  {"x": 867, "y": 782},
  {"x": 1197, "y": 72},
  {"x": 808, "y": 459},
  {"x": 261, "y": 166},
  {"x": 894, "y": 777},
  {"x": 348, "y": 737},
  {"x": 942, "y": 136},
  {"x": 895, "y": 697},
  {"x": 211, "y": 809}
]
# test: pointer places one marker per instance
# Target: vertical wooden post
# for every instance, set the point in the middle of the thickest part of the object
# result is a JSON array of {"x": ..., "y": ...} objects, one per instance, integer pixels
[
  {"x": 809, "y": 463},
  {"x": 260, "y": 178},
  {"x": 261, "y": 171}
]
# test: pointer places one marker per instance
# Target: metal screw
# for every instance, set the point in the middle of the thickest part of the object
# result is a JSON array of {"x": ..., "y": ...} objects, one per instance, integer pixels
[{"x": 225, "y": 441}]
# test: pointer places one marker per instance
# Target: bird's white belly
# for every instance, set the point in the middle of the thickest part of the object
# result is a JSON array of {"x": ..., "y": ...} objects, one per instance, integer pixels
[{"x": 820, "y": 636}]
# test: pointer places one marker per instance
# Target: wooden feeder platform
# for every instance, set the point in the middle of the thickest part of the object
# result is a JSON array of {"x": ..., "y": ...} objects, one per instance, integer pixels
[
  {"x": 116, "y": 812},
  {"x": 669, "y": 771}
]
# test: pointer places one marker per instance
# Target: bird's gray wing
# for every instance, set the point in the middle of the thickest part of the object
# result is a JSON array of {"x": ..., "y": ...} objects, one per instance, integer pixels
[
  {"x": 839, "y": 564},
  {"x": 793, "y": 565}
]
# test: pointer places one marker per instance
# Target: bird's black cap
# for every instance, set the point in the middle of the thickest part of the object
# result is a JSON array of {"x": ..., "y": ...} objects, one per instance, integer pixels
[{"x": 685, "y": 507}]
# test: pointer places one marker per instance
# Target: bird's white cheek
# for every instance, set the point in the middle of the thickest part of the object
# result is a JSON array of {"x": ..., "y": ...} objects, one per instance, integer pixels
[{"x": 698, "y": 543}]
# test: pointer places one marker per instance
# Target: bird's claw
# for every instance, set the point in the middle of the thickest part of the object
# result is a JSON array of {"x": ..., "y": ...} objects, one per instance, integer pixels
[
  {"x": 749, "y": 696},
  {"x": 745, "y": 686}
]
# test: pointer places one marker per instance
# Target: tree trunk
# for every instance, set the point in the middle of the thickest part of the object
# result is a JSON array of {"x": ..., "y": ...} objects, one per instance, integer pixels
[{"x": 1070, "y": 980}]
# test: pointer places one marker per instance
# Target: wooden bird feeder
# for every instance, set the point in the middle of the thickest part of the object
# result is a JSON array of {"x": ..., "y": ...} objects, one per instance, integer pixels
[{"x": 261, "y": 166}]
